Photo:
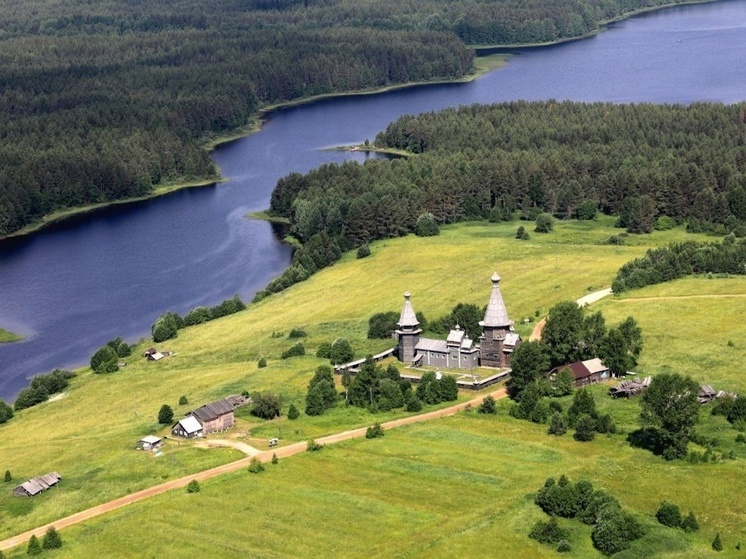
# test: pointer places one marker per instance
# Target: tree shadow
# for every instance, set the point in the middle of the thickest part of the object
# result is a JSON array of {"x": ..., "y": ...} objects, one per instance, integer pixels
[{"x": 647, "y": 439}]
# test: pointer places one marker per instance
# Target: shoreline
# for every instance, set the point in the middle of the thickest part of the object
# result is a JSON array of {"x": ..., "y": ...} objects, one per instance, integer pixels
[
  {"x": 494, "y": 60},
  {"x": 7, "y": 337}
]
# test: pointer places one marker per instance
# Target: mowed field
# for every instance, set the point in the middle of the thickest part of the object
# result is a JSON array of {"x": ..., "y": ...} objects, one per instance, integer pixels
[{"x": 350, "y": 500}]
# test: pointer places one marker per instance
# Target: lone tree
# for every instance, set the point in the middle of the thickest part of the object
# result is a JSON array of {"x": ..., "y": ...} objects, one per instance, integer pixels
[
  {"x": 529, "y": 362},
  {"x": 105, "y": 360},
  {"x": 293, "y": 412},
  {"x": 426, "y": 226},
  {"x": 193, "y": 486},
  {"x": 52, "y": 539},
  {"x": 165, "y": 415},
  {"x": 670, "y": 407},
  {"x": 341, "y": 352},
  {"x": 8, "y": 477},
  {"x": 266, "y": 405},
  {"x": 717, "y": 545},
  {"x": 34, "y": 547},
  {"x": 563, "y": 333},
  {"x": 488, "y": 405},
  {"x": 669, "y": 515}
]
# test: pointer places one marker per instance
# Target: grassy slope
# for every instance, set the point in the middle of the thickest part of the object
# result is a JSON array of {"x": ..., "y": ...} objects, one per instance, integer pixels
[
  {"x": 88, "y": 435},
  {"x": 6, "y": 336}
]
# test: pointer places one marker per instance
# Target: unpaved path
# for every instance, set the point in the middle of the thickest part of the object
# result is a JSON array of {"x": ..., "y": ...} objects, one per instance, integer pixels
[
  {"x": 247, "y": 449},
  {"x": 583, "y": 301},
  {"x": 265, "y": 456},
  {"x": 683, "y": 297}
]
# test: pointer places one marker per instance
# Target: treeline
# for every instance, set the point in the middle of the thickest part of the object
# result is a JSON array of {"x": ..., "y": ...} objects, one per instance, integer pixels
[
  {"x": 41, "y": 388},
  {"x": 640, "y": 161},
  {"x": 682, "y": 259},
  {"x": 167, "y": 325}
]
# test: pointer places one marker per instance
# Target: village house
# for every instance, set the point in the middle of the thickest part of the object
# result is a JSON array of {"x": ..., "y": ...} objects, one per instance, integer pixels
[
  {"x": 458, "y": 351},
  {"x": 585, "y": 372},
  {"x": 37, "y": 485},
  {"x": 188, "y": 427},
  {"x": 210, "y": 418}
]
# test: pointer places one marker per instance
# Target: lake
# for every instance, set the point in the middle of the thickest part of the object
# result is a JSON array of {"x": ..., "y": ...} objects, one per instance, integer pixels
[{"x": 73, "y": 286}]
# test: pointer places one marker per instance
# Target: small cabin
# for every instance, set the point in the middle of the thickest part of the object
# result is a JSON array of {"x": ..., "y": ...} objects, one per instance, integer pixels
[
  {"x": 189, "y": 428},
  {"x": 37, "y": 485},
  {"x": 585, "y": 372},
  {"x": 151, "y": 442}
]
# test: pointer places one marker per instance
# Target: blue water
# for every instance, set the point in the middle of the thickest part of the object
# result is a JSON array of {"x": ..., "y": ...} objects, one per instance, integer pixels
[{"x": 71, "y": 288}]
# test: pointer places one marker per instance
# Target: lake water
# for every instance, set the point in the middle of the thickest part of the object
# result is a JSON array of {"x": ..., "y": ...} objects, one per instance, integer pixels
[{"x": 71, "y": 288}]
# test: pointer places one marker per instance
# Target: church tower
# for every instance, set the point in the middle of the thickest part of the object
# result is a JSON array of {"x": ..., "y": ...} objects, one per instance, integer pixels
[
  {"x": 495, "y": 329},
  {"x": 408, "y": 331}
]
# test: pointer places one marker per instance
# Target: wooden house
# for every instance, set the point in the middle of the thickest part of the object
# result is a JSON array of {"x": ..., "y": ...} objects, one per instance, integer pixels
[
  {"x": 215, "y": 416},
  {"x": 585, "y": 372},
  {"x": 189, "y": 428},
  {"x": 37, "y": 485}
]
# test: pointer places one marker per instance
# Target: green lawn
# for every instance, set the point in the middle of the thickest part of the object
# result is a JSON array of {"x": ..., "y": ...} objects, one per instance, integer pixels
[{"x": 88, "y": 434}]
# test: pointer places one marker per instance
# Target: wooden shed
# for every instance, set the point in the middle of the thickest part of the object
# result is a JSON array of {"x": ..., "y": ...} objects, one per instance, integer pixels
[
  {"x": 37, "y": 485},
  {"x": 149, "y": 443}
]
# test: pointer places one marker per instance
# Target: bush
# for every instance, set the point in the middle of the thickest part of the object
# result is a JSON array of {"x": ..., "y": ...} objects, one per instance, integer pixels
[
  {"x": 293, "y": 412},
  {"x": 544, "y": 223},
  {"x": 296, "y": 351},
  {"x": 586, "y": 210},
  {"x": 374, "y": 431},
  {"x": 261, "y": 363},
  {"x": 615, "y": 530},
  {"x": 183, "y": 401},
  {"x": 557, "y": 425},
  {"x": 52, "y": 539},
  {"x": 717, "y": 545},
  {"x": 426, "y": 226},
  {"x": 193, "y": 486},
  {"x": 8, "y": 477},
  {"x": 165, "y": 415},
  {"x": 297, "y": 333},
  {"x": 669, "y": 515},
  {"x": 488, "y": 405},
  {"x": 690, "y": 524},
  {"x": 313, "y": 446},
  {"x": 664, "y": 223},
  {"x": 585, "y": 429},
  {"x": 564, "y": 546},
  {"x": 256, "y": 466},
  {"x": 605, "y": 424},
  {"x": 341, "y": 352},
  {"x": 105, "y": 360},
  {"x": 324, "y": 351},
  {"x": 522, "y": 234},
  {"x": 198, "y": 315},
  {"x": 166, "y": 326},
  {"x": 414, "y": 404},
  {"x": 275, "y": 460},
  {"x": 381, "y": 325},
  {"x": 120, "y": 346},
  {"x": 548, "y": 532},
  {"x": 34, "y": 548},
  {"x": 266, "y": 405},
  {"x": 6, "y": 412},
  {"x": 363, "y": 251}
]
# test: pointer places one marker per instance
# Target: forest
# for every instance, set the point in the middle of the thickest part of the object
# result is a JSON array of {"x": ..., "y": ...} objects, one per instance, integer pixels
[
  {"x": 106, "y": 100},
  {"x": 653, "y": 165}
]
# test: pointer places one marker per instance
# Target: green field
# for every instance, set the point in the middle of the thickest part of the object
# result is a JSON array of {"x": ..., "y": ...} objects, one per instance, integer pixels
[
  {"x": 387, "y": 491},
  {"x": 6, "y": 336}
]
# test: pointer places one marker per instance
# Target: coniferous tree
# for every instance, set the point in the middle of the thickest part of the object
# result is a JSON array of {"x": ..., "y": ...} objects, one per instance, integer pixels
[
  {"x": 52, "y": 539},
  {"x": 34, "y": 547}
]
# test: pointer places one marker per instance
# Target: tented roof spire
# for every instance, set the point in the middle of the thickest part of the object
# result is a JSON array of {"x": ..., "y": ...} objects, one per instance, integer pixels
[
  {"x": 496, "y": 315},
  {"x": 408, "y": 317}
]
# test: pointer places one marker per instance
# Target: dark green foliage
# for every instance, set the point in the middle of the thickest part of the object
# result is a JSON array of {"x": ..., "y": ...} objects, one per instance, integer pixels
[
  {"x": 165, "y": 414},
  {"x": 616, "y": 353},
  {"x": 293, "y": 412},
  {"x": 374, "y": 431},
  {"x": 313, "y": 446},
  {"x": 266, "y": 405},
  {"x": 586, "y": 210},
  {"x": 8, "y": 477},
  {"x": 105, "y": 360},
  {"x": 544, "y": 223},
  {"x": 669, "y": 515},
  {"x": 275, "y": 460},
  {"x": 322, "y": 395},
  {"x": 261, "y": 363},
  {"x": 638, "y": 214},
  {"x": 464, "y": 315},
  {"x": 341, "y": 352},
  {"x": 52, "y": 539},
  {"x": 295, "y": 351},
  {"x": 605, "y": 424},
  {"x": 363, "y": 251},
  {"x": 548, "y": 532},
  {"x": 414, "y": 404},
  {"x": 6, "y": 412},
  {"x": 531, "y": 398},
  {"x": 561, "y": 499},
  {"x": 120, "y": 346},
  {"x": 669, "y": 406},
  {"x": 488, "y": 405},
  {"x": 448, "y": 388},
  {"x": 166, "y": 327},
  {"x": 585, "y": 428},
  {"x": 664, "y": 223},
  {"x": 183, "y": 401},
  {"x": 193, "y": 486},
  {"x": 582, "y": 403},
  {"x": 324, "y": 351},
  {"x": 615, "y": 530},
  {"x": 564, "y": 546},
  {"x": 529, "y": 362},
  {"x": 563, "y": 383},
  {"x": 389, "y": 395},
  {"x": 41, "y": 387},
  {"x": 689, "y": 523},
  {"x": 426, "y": 226},
  {"x": 432, "y": 390},
  {"x": 522, "y": 234},
  {"x": 34, "y": 547},
  {"x": 681, "y": 259},
  {"x": 717, "y": 545},
  {"x": 296, "y": 333},
  {"x": 381, "y": 325},
  {"x": 737, "y": 410},
  {"x": 598, "y": 501},
  {"x": 200, "y": 315},
  {"x": 563, "y": 333},
  {"x": 557, "y": 425},
  {"x": 256, "y": 466}
]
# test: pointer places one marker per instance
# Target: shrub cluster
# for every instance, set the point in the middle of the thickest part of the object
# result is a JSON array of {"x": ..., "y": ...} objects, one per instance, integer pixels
[
  {"x": 295, "y": 351},
  {"x": 266, "y": 405},
  {"x": 6, "y": 412},
  {"x": 374, "y": 431},
  {"x": 613, "y": 528},
  {"x": 106, "y": 358},
  {"x": 296, "y": 333},
  {"x": 256, "y": 466},
  {"x": 41, "y": 388},
  {"x": 167, "y": 325},
  {"x": 378, "y": 389},
  {"x": 382, "y": 324},
  {"x": 321, "y": 395},
  {"x": 488, "y": 405}
]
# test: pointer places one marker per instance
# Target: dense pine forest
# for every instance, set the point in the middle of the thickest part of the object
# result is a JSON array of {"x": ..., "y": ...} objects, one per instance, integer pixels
[
  {"x": 105, "y": 100},
  {"x": 643, "y": 162}
]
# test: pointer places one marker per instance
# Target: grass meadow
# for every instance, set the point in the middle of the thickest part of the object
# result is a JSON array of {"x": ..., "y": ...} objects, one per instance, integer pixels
[{"x": 454, "y": 486}]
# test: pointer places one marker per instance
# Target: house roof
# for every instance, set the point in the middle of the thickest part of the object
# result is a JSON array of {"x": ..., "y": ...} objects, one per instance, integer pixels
[
  {"x": 583, "y": 369},
  {"x": 595, "y": 365},
  {"x": 467, "y": 343},
  {"x": 408, "y": 317},
  {"x": 190, "y": 424},
  {"x": 212, "y": 411},
  {"x": 511, "y": 339},
  {"x": 456, "y": 335},
  {"x": 36, "y": 485},
  {"x": 150, "y": 439},
  {"x": 426, "y": 344},
  {"x": 497, "y": 314}
]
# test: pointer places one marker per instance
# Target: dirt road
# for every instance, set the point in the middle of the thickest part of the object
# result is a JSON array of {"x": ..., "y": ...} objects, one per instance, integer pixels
[
  {"x": 583, "y": 301},
  {"x": 265, "y": 456}
]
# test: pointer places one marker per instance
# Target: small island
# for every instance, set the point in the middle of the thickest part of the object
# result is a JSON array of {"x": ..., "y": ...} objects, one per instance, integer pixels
[{"x": 8, "y": 337}]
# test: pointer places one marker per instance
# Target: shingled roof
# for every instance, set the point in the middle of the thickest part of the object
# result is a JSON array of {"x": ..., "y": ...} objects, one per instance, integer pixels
[
  {"x": 212, "y": 411},
  {"x": 408, "y": 317},
  {"x": 496, "y": 315}
]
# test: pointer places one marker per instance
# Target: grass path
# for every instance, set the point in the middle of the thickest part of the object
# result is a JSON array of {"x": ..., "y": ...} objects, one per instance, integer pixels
[
  {"x": 265, "y": 456},
  {"x": 681, "y": 297}
]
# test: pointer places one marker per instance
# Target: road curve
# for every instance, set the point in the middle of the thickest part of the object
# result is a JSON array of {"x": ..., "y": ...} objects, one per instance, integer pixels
[{"x": 265, "y": 456}]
